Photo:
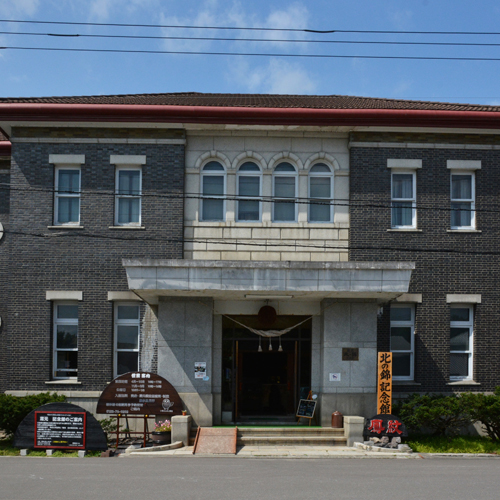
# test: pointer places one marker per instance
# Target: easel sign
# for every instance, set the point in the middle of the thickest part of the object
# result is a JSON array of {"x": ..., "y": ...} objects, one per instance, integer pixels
[{"x": 306, "y": 409}]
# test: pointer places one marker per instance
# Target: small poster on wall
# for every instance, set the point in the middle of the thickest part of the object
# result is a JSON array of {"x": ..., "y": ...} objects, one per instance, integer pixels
[{"x": 200, "y": 369}]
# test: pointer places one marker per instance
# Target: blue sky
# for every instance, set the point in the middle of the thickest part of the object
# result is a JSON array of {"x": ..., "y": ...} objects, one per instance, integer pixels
[{"x": 41, "y": 73}]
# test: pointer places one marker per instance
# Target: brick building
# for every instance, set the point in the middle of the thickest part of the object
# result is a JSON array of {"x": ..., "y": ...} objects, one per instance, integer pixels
[{"x": 261, "y": 236}]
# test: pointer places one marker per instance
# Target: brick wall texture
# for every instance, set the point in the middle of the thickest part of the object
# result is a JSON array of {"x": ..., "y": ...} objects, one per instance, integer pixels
[
  {"x": 87, "y": 260},
  {"x": 4, "y": 219},
  {"x": 446, "y": 262}
]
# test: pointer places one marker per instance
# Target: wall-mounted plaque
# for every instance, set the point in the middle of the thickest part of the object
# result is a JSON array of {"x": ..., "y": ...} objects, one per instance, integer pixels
[
  {"x": 140, "y": 393},
  {"x": 350, "y": 354},
  {"x": 65, "y": 430}
]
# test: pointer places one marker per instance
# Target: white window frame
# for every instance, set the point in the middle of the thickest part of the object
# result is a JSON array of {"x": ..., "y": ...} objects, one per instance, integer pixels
[
  {"x": 471, "y": 200},
  {"x": 63, "y": 321},
  {"x": 58, "y": 196},
  {"x": 329, "y": 199},
  {"x": 119, "y": 196},
  {"x": 248, "y": 173},
  {"x": 470, "y": 352},
  {"x": 125, "y": 322},
  {"x": 405, "y": 324},
  {"x": 413, "y": 198},
  {"x": 293, "y": 200},
  {"x": 208, "y": 173}
]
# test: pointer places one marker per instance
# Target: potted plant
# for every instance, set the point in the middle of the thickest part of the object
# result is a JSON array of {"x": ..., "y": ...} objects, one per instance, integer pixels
[{"x": 162, "y": 432}]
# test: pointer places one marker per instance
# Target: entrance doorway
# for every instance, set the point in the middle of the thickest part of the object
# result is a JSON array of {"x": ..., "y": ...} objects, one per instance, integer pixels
[{"x": 264, "y": 385}]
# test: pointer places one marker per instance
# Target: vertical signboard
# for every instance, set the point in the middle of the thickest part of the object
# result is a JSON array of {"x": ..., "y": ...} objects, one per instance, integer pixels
[{"x": 384, "y": 383}]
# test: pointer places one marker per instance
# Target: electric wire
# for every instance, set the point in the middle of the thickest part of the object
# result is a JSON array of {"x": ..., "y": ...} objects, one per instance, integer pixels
[{"x": 255, "y": 54}]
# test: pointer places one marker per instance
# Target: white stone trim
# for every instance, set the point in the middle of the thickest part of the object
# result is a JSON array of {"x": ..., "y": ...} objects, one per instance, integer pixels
[
  {"x": 127, "y": 159},
  {"x": 410, "y": 298},
  {"x": 63, "y": 295},
  {"x": 413, "y": 145},
  {"x": 68, "y": 394},
  {"x": 463, "y": 164},
  {"x": 463, "y": 298},
  {"x": 404, "y": 164},
  {"x": 212, "y": 155},
  {"x": 249, "y": 155},
  {"x": 67, "y": 159},
  {"x": 285, "y": 155},
  {"x": 123, "y": 296},
  {"x": 329, "y": 159},
  {"x": 80, "y": 140}
]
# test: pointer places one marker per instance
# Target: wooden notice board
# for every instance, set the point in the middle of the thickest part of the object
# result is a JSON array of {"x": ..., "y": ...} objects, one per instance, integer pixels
[{"x": 384, "y": 383}]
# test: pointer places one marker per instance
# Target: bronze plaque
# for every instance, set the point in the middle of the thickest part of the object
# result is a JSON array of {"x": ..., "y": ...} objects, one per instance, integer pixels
[
  {"x": 350, "y": 354},
  {"x": 140, "y": 393}
]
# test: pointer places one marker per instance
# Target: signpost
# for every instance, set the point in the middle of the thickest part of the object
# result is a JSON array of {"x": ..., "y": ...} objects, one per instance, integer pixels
[
  {"x": 62, "y": 430},
  {"x": 384, "y": 385}
]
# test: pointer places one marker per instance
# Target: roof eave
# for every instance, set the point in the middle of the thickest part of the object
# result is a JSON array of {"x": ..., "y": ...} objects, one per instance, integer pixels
[{"x": 14, "y": 112}]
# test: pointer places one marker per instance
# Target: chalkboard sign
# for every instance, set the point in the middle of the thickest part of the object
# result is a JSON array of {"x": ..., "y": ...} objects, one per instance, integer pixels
[
  {"x": 65, "y": 430},
  {"x": 306, "y": 408},
  {"x": 140, "y": 393}
]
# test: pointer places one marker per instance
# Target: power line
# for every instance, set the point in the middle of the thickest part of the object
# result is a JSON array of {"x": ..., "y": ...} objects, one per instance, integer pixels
[
  {"x": 248, "y": 28},
  {"x": 273, "y": 40},
  {"x": 261, "y": 199},
  {"x": 256, "y": 54},
  {"x": 245, "y": 243}
]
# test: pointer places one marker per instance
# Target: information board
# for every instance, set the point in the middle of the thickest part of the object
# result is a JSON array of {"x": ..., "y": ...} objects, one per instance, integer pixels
[
  {"x": 140, "y": 393},
  {"x": 65, "y": 430},
  {"x": 306, "y": 408}
]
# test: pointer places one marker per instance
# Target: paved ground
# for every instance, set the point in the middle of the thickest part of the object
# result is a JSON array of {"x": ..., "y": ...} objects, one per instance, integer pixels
[{"x": 25, "y": 478}]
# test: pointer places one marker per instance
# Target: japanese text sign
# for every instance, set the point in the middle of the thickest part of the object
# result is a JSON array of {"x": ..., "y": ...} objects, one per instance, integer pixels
[{"x": 384, "y": 383}]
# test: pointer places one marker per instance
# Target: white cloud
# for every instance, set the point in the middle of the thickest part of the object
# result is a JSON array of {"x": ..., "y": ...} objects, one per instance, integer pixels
[
  {"x": 19, "y": 7},
  {"x": 275, "y": 77},
  {"x": 401, "y": 18},
  {"x": 103, "y": 9}
]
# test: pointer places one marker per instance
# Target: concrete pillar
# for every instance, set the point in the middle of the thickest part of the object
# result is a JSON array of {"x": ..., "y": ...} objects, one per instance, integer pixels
[
  {"x": 353, "y": 429},
  {"x": 181, "y": 428}
]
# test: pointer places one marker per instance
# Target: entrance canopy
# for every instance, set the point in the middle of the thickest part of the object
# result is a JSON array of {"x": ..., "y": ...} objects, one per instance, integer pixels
[{"x": 259, "y": 280}]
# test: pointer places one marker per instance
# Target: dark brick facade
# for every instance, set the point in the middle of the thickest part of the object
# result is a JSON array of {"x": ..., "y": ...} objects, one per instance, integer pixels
[
  {"x": 4, "y": 220},
  {"x": 87, "y": 260},
  {"x": 446, "y": 262}
]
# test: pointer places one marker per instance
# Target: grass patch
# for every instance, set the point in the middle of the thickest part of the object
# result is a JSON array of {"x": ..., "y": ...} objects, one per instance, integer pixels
[
  {"x": 7, "y": 450},
  {"x": 458, "y": 444}
]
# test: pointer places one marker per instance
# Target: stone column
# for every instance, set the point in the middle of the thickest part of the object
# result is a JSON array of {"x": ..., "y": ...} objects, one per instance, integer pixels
[{"x": 185, "y": 337}]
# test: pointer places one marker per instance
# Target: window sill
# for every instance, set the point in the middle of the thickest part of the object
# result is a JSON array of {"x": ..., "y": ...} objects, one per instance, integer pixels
[
  {"x": 404, "y": 230},
  {"x": 127, "y": 227},
  {"x": 463, "y": 382},
  {"x": 405, "y": 382},
  {"x": 62, "y": 226},
  {"x": 463, "y": 231},
  {"x": 64, "y": 381}
]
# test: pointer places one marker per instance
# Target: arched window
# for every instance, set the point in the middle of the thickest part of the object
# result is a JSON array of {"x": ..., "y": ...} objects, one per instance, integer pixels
[
  {"x": 321, "y": 192},
  {"x": 285, "y": 193},
  {"x": 249, "y": 186},
  {"x": 213, "y": 186}
]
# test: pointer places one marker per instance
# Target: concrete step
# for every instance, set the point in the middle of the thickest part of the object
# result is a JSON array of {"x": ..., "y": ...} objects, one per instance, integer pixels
[{"x": 291, "y": 441}]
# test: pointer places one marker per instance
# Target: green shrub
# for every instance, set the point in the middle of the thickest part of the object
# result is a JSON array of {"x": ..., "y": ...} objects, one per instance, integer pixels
[
  {"x": 13, "y": 409},
  {"x": 439, "y": 414},
  {"x": 485, "y": 409}
]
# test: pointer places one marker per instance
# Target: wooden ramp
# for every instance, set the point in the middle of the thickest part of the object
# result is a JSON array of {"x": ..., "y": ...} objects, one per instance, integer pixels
[{"x": 215, "y": 441}]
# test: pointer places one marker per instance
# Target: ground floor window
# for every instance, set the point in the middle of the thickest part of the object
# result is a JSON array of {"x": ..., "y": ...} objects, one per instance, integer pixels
[
  {"x": 127, "y": 329},
  {"x": 461, "y": 333},
  {"x": 402, "y": 341},
  {"x": 65, "y": 328}
]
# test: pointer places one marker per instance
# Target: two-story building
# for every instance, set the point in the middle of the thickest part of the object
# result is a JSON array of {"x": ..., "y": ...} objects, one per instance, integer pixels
[{"x": 249, "y": 248}]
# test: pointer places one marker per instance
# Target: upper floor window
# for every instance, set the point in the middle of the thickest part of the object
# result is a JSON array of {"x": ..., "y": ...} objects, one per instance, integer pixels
[
  {"x": 285, "y": 193},
  {"x": 65, "y": 359},
  {"x": 128, "y": 196},
  {"x": 461, "y": 336},
  {"x": 67, "y": 195},
  {"x": 462, "y": 201},
  {"x": 213, "y": 186},
  {"x": 402, "y": 340},
  {"x": 127, "y": 330},
  {"x": 249, "y": 190},
  {"x": 403, "y": 199},
  {"x": 320, "y": 193}
]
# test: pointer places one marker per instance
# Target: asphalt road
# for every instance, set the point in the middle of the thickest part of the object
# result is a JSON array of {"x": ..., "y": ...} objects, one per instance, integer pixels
[{"x": 25, "y": 478}]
